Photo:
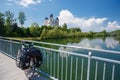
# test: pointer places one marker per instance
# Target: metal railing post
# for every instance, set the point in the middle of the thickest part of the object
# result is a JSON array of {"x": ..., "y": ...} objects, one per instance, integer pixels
[
  {"x": 11, "y": 47},
  {"x": 88, "y": 67},
  {"x": 113, "y": 71},
  {"x": 66, "y": 67},
  {"x": 82, "y": 65},
  {"x": 0, "y": 43},
  {"x": 58, "y": 68}
]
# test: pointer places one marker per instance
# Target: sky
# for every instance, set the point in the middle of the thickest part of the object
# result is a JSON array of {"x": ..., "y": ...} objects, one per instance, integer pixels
[{"x": 88, "y": 15}]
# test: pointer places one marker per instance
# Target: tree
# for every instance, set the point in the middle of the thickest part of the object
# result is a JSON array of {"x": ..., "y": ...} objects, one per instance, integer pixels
[
  {"x": 90, "y": 34},
  {"x": 103, "y": 33},
  {"x": 14, "y": 30},
  {"x": 64, "y": 26},
  {"x": 22, "y": 18},
  {"x": 43, "y": 34},
  {"x": 2, "y": 27},
  {"x": 9, "y": 20},
  {"x": 34, "y": 24},
  {"x": 27, "y": 32},
  {"x": 74, "y": 30},
  {"x": 35, "y": 30},
  {"x": 9, "y": 16}
]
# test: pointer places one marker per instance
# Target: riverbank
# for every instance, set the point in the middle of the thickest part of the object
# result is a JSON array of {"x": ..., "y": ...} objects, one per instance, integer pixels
[{"x": 25, "y": 38}]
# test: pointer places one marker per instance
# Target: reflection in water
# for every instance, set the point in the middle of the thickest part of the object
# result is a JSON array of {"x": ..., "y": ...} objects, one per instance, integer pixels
[
  {"x": 95, "y": 43},
  {"x": 64, "y": 49},
  {"x": 111, "y": 43},
  {"x": 108, "y": 44}
]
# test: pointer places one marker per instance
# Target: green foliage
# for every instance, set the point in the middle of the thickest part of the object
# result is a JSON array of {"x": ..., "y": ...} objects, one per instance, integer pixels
[
  {"x": 9, "y": 20},
  {"x": 2, "y": 27},
  {"x": 9, "y": 17},
  {"x": 58, "y": 32},
  {"x": 35, "y": 31},
  {"x": 103, "y": 33},
  {"x": 55, "y": 33},
  {"x": 34, "y": 24},
  {"x": 27, "y": 32},
  {"x": 42, "y": 36},
  {"x": 115, "y": 33},
  {"x": 14, "y": 30},
  {"x": 8, "y": 27},
  {"x": 64, "y": 26}
]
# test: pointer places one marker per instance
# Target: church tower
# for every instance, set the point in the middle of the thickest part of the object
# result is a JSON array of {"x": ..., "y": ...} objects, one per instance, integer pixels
[
  {"x": 56, "y": 22},
  {"x": 51, "y": 21}
]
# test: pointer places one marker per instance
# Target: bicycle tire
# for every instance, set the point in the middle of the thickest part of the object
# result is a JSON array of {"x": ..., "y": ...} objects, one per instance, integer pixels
[{"x": 30, "y": 71}]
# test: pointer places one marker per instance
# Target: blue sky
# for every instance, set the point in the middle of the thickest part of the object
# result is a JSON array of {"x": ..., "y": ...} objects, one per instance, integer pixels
[{"x": 89, "y": 15}]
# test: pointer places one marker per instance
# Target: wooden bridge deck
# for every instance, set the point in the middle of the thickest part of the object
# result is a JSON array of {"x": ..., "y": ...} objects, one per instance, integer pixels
[{"x": 9, "y": 71}]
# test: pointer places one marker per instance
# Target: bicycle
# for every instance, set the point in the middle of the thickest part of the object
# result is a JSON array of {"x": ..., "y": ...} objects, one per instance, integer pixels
[{"x": 26, "y": 61}]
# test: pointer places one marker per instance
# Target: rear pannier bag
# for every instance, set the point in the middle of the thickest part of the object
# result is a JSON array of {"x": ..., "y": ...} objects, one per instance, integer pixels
[
  {"x": 24, "y": 56},
  {"x": 38, "y": 56},
  {"x": 23, "y": 59}
]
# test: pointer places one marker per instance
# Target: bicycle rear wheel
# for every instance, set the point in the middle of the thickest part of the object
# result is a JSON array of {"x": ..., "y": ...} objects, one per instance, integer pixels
[{"x": 31, "y": 70}]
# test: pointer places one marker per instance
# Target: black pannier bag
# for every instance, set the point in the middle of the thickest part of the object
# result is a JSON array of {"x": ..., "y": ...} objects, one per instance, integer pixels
[
  {"x": 23, "y": 59},
  {"x": 38, "y": 58},
  {"x": 24, "y": 56}
]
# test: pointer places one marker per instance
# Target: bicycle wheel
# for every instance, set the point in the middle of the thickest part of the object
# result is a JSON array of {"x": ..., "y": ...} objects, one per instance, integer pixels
[{"x": 31, "y": 70}]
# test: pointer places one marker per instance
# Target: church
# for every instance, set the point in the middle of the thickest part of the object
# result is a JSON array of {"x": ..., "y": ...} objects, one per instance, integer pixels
[{"x": 51, "y": 21}]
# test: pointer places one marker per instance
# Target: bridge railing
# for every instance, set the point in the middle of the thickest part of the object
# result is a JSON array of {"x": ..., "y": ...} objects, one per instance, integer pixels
[{"x": 64, "y": 62}]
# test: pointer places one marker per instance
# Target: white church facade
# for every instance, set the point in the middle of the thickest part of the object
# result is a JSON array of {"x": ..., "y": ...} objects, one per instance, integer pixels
[{"x": 51, "y": 21}]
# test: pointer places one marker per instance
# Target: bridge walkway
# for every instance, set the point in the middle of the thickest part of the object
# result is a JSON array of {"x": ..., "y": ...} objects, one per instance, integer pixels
[{"x": 9, "y": 70}]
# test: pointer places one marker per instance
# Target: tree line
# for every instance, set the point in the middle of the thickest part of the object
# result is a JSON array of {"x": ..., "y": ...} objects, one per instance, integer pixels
[
  {"x": 9, "y": 28},
  {"x": 8, "y": 24}
]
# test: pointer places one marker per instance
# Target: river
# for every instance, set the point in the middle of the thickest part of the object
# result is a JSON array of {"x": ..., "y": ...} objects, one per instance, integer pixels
[{"x": 106, "y": 43}]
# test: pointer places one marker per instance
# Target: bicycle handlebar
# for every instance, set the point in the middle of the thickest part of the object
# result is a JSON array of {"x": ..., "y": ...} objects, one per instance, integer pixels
[{"x": 28, "y": 44}]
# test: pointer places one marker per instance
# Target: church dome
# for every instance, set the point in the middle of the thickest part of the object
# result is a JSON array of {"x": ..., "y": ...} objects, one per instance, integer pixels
[
  {"x": 57, "y": 18},
  {"x": 51, "y": 15},
  {"x": 46, "y": 18}
]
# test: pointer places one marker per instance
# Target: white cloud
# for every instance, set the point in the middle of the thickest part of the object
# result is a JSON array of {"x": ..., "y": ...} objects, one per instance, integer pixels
[
  {"x": 25, "y": 3},
  {"x": 113, "y": 26},
  {"x": 90, "y": 24}
]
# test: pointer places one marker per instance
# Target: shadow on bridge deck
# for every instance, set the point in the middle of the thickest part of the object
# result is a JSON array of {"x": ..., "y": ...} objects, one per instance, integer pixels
[{"x": 9, "y": 71}]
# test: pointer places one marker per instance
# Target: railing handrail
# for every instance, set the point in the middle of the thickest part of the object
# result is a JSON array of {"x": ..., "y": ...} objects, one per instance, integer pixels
[
  {"x": 70, "y": 46},
  {"x": 78, "y": 47},
  {"x": 82, "y": 55},
  {"x": 71, "y": 53}
]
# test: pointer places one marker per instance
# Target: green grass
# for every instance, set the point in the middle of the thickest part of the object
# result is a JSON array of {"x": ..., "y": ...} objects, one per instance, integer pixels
[{"x": 25, "y": 38}]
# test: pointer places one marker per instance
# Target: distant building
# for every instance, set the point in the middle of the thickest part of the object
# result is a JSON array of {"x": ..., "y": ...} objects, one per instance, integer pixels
[{"x": 51, "y": 21}]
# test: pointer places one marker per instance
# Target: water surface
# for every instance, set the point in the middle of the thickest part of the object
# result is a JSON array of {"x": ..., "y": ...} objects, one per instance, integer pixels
[{"x": 108, "y": 43}]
